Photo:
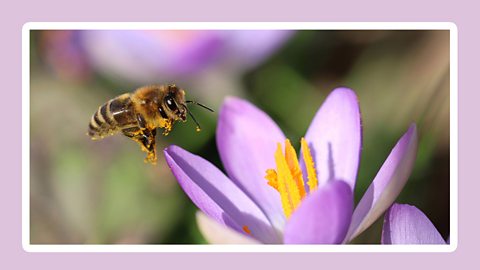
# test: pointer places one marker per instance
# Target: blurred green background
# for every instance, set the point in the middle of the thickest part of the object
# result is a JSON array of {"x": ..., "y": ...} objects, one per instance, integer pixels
[{"x": 84, "y": 191}]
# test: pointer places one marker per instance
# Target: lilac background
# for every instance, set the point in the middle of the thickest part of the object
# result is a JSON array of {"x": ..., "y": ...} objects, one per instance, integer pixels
[{"x": 15, "y": 14}]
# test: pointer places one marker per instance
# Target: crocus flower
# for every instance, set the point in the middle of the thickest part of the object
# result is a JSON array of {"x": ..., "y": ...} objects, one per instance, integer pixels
[
  {"x": 270, "y": 195},
  {"x": 406, "y": 224}
]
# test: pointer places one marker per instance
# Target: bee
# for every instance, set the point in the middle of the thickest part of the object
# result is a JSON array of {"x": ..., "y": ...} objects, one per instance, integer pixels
[{"x": 138, "y": 115}]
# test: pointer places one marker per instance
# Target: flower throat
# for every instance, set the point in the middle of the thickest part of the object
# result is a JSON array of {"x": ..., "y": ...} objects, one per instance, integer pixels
[{"x": 287, "y": 179}]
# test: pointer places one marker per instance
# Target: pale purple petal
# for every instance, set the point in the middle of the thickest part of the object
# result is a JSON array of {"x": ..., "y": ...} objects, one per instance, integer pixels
[
  {"x": 323, "y": 217},
  {"x": 388, "y": 183},
  {"x": 335, "y": 137},
  {"x": 217, "y": 196},
  {"x": 247, "y": 48},
  {"x": 246, "y": 141},
  {"x": 407, "y": 225},
  {"x": 146, "y": 56},
  {"x": 216, "y": 233}
]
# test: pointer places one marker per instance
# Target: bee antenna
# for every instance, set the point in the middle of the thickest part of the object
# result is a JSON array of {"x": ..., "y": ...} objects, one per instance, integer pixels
[
  {"x": 199, "y": 104},
  {"x": 193, "y": 118}
]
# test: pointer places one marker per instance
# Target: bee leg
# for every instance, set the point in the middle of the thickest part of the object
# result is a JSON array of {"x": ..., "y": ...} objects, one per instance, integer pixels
[
  {"x": 141, "y": 121},
  {"x": 146, "y": 139},
  {"x": 168, "y": 127},
  {"x": 149, "y": 144}
]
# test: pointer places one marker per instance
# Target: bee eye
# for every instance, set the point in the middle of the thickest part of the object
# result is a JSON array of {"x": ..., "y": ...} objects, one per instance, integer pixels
[
  {"x": 171, "y": 104},
  {"x": 162, "y": 112}
]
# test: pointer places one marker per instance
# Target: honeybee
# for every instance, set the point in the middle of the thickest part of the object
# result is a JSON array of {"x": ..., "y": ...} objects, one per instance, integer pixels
[{"x": 138, "y": 115}]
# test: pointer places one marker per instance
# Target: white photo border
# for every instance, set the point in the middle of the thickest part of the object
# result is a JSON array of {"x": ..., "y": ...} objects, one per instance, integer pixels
[{"x": 451, "y": 27}]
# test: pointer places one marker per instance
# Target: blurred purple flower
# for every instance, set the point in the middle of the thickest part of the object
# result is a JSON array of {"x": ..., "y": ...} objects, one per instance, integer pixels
[
  {"x": 62, "y": 51},
  {"x": 152, "y": 55},
  {"x": 245, "y": 49},
  {"x": 247, "y": 140},
  {"x": 405, "y": 224}
]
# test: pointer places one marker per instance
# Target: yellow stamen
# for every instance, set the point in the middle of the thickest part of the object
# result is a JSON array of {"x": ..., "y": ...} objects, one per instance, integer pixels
[
  {"x": 292, "y": 161},
  {"x": 288, "y": 178},
  {"x": 272, "y": 178},
  {"x": 281, "y": 181},
  {"x": 246, "y": 229},
  {"x": 310, "y": 166}
]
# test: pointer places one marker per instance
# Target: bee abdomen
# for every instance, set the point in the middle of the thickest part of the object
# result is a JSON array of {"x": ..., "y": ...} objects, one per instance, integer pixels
[
  {"x": 102, "y": 122},
  {"x": 111, "y": 117}
]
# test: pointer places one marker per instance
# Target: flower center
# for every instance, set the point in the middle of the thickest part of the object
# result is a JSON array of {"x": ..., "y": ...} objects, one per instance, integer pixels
[{"x": 287, "y": 179}]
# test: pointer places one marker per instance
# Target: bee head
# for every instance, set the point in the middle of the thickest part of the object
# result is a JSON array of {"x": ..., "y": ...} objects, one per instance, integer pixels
[
  {"x": 175, "y": 105},
  {"x": 174, "y": 102}
]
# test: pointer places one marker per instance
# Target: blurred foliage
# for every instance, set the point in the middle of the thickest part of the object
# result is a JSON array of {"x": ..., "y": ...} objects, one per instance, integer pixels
[{"x": 102, "y": 192}]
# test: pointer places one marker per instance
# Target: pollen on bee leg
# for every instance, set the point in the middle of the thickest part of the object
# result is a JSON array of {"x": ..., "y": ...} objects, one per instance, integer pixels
[
  {"x": 167, "y": 127},
  {"x": 151, "y": 158}
]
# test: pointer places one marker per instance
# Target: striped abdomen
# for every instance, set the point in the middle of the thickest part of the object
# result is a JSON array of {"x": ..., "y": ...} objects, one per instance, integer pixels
[{"x": 115, "y": 115}]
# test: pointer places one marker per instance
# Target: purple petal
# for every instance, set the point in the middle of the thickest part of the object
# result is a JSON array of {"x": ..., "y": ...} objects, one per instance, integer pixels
[
  {"x": 387, "y": 184},
  {"x": 406, "y": 224},
  {"x": 216, "y": 233},
  {"x": 323, "y": 217},
  {"x": 335, "y": 137},
  {"x": 246, "y": 140},
  {"x": 217, "y": 196}
]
